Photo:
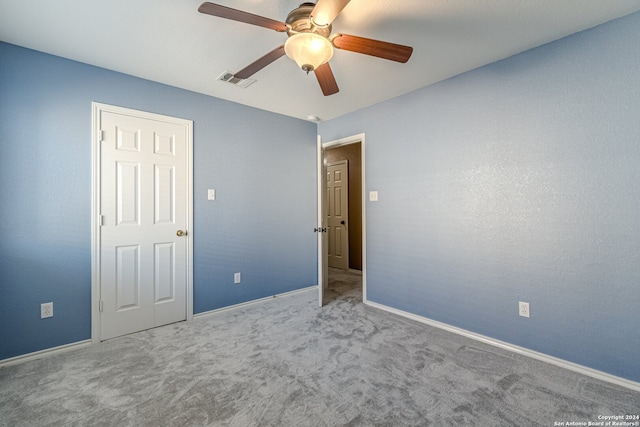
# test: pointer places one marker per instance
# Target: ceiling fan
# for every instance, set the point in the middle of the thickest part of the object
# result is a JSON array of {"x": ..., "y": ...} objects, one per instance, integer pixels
[{"x": 310, "y": 42}]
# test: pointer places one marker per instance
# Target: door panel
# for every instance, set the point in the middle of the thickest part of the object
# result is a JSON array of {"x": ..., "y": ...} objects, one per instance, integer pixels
[
  {"x": 164, "y": 194},
  {"x": 164, "y": 144},
  {"x": 127, "y": 277},
  {"x": 337, "y": 239},
  {"x": 143, "y": 194},
  {"x": 127, "y": 139},
  {"x": 127, "y": 193},
  {"x": 164, "y": 280}
]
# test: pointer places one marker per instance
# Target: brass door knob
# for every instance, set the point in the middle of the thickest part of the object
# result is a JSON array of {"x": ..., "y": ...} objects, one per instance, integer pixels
[{"x": 181, "y": 233}]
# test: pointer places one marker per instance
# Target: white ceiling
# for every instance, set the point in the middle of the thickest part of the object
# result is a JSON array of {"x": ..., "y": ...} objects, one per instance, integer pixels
[{"x": 168, "y": 41}]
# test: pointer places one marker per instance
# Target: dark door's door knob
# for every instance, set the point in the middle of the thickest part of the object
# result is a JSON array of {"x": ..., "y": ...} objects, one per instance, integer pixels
[{"x": 341, "y": 222}]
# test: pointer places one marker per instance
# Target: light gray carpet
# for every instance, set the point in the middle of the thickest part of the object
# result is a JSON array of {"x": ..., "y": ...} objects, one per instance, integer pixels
[{"x": 286, "y": 362}]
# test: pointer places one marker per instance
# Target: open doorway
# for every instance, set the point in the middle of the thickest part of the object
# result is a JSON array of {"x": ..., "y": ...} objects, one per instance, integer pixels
[{"x": 349, "y": 277}]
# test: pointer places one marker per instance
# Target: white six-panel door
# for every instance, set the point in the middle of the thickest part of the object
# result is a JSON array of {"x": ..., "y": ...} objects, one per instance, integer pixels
[
  {"x": 143, "y": 236},
  {"x": 338, "y": 214}
]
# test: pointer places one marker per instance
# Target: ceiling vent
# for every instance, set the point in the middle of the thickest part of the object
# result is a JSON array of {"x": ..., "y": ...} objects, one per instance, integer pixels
[{"x": 229, "y": 77}]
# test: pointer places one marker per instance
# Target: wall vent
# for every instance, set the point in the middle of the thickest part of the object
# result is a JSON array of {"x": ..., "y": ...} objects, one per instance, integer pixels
[{"x": 229, "y": 77}]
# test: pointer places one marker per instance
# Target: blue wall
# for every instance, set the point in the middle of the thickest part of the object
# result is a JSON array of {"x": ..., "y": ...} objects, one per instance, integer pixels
[
  {"x": 518, "y": 181},
  {"x": 257, "y": 225}
]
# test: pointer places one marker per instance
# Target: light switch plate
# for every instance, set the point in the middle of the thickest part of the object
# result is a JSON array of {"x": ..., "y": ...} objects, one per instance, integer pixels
[
  {"x": 211, "y": 194},
  {"x": 373, "y": 196}
]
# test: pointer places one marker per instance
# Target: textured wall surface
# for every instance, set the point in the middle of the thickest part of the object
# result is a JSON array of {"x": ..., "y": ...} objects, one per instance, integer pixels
[
  {"x": 518, "y": 181},
  {"x": 260, "y": 225}
]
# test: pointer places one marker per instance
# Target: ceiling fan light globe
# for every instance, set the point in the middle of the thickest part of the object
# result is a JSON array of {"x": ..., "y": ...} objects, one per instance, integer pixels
[{"x": 308, "y": 50}]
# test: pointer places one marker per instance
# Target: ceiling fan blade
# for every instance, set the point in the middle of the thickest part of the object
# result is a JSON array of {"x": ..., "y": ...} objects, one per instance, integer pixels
[
  {"x": 385, "y": 50},
  {"x": 326, "y": 11},
  {"x": 326, "y": 79},
  {"x": 259, "y": 64},
  {"x": 240, "y": 16}
]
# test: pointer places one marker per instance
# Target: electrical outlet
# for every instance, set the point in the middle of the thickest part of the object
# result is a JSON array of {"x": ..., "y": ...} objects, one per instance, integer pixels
[
  {"x": 523, "y": 309},
  {"x": 46, "y": 310},
  {"x": 236, "y": 278}
]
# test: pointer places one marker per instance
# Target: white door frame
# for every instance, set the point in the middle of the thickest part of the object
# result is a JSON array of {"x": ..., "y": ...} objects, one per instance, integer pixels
[
  {"x": 96, "y": 137},
  {"x": 322, "y": 240}
]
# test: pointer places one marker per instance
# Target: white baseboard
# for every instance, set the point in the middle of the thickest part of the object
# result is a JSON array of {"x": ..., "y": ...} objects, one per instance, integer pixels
[
  {"x": 44, "y": 353},
  {"x": 255, "y": 301},
  {"x": 514, "y": 348}
]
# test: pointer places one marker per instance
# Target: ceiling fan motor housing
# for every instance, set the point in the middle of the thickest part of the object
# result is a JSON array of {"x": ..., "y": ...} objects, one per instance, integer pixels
[{"x": 300, "y": 21}]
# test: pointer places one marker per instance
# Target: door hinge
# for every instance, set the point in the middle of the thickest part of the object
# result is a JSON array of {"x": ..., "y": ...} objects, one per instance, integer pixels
[
  {"x": 100, "y": 135},
  {"x": 100, "y": 220},
  {"x": 101, "y": 306}
]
